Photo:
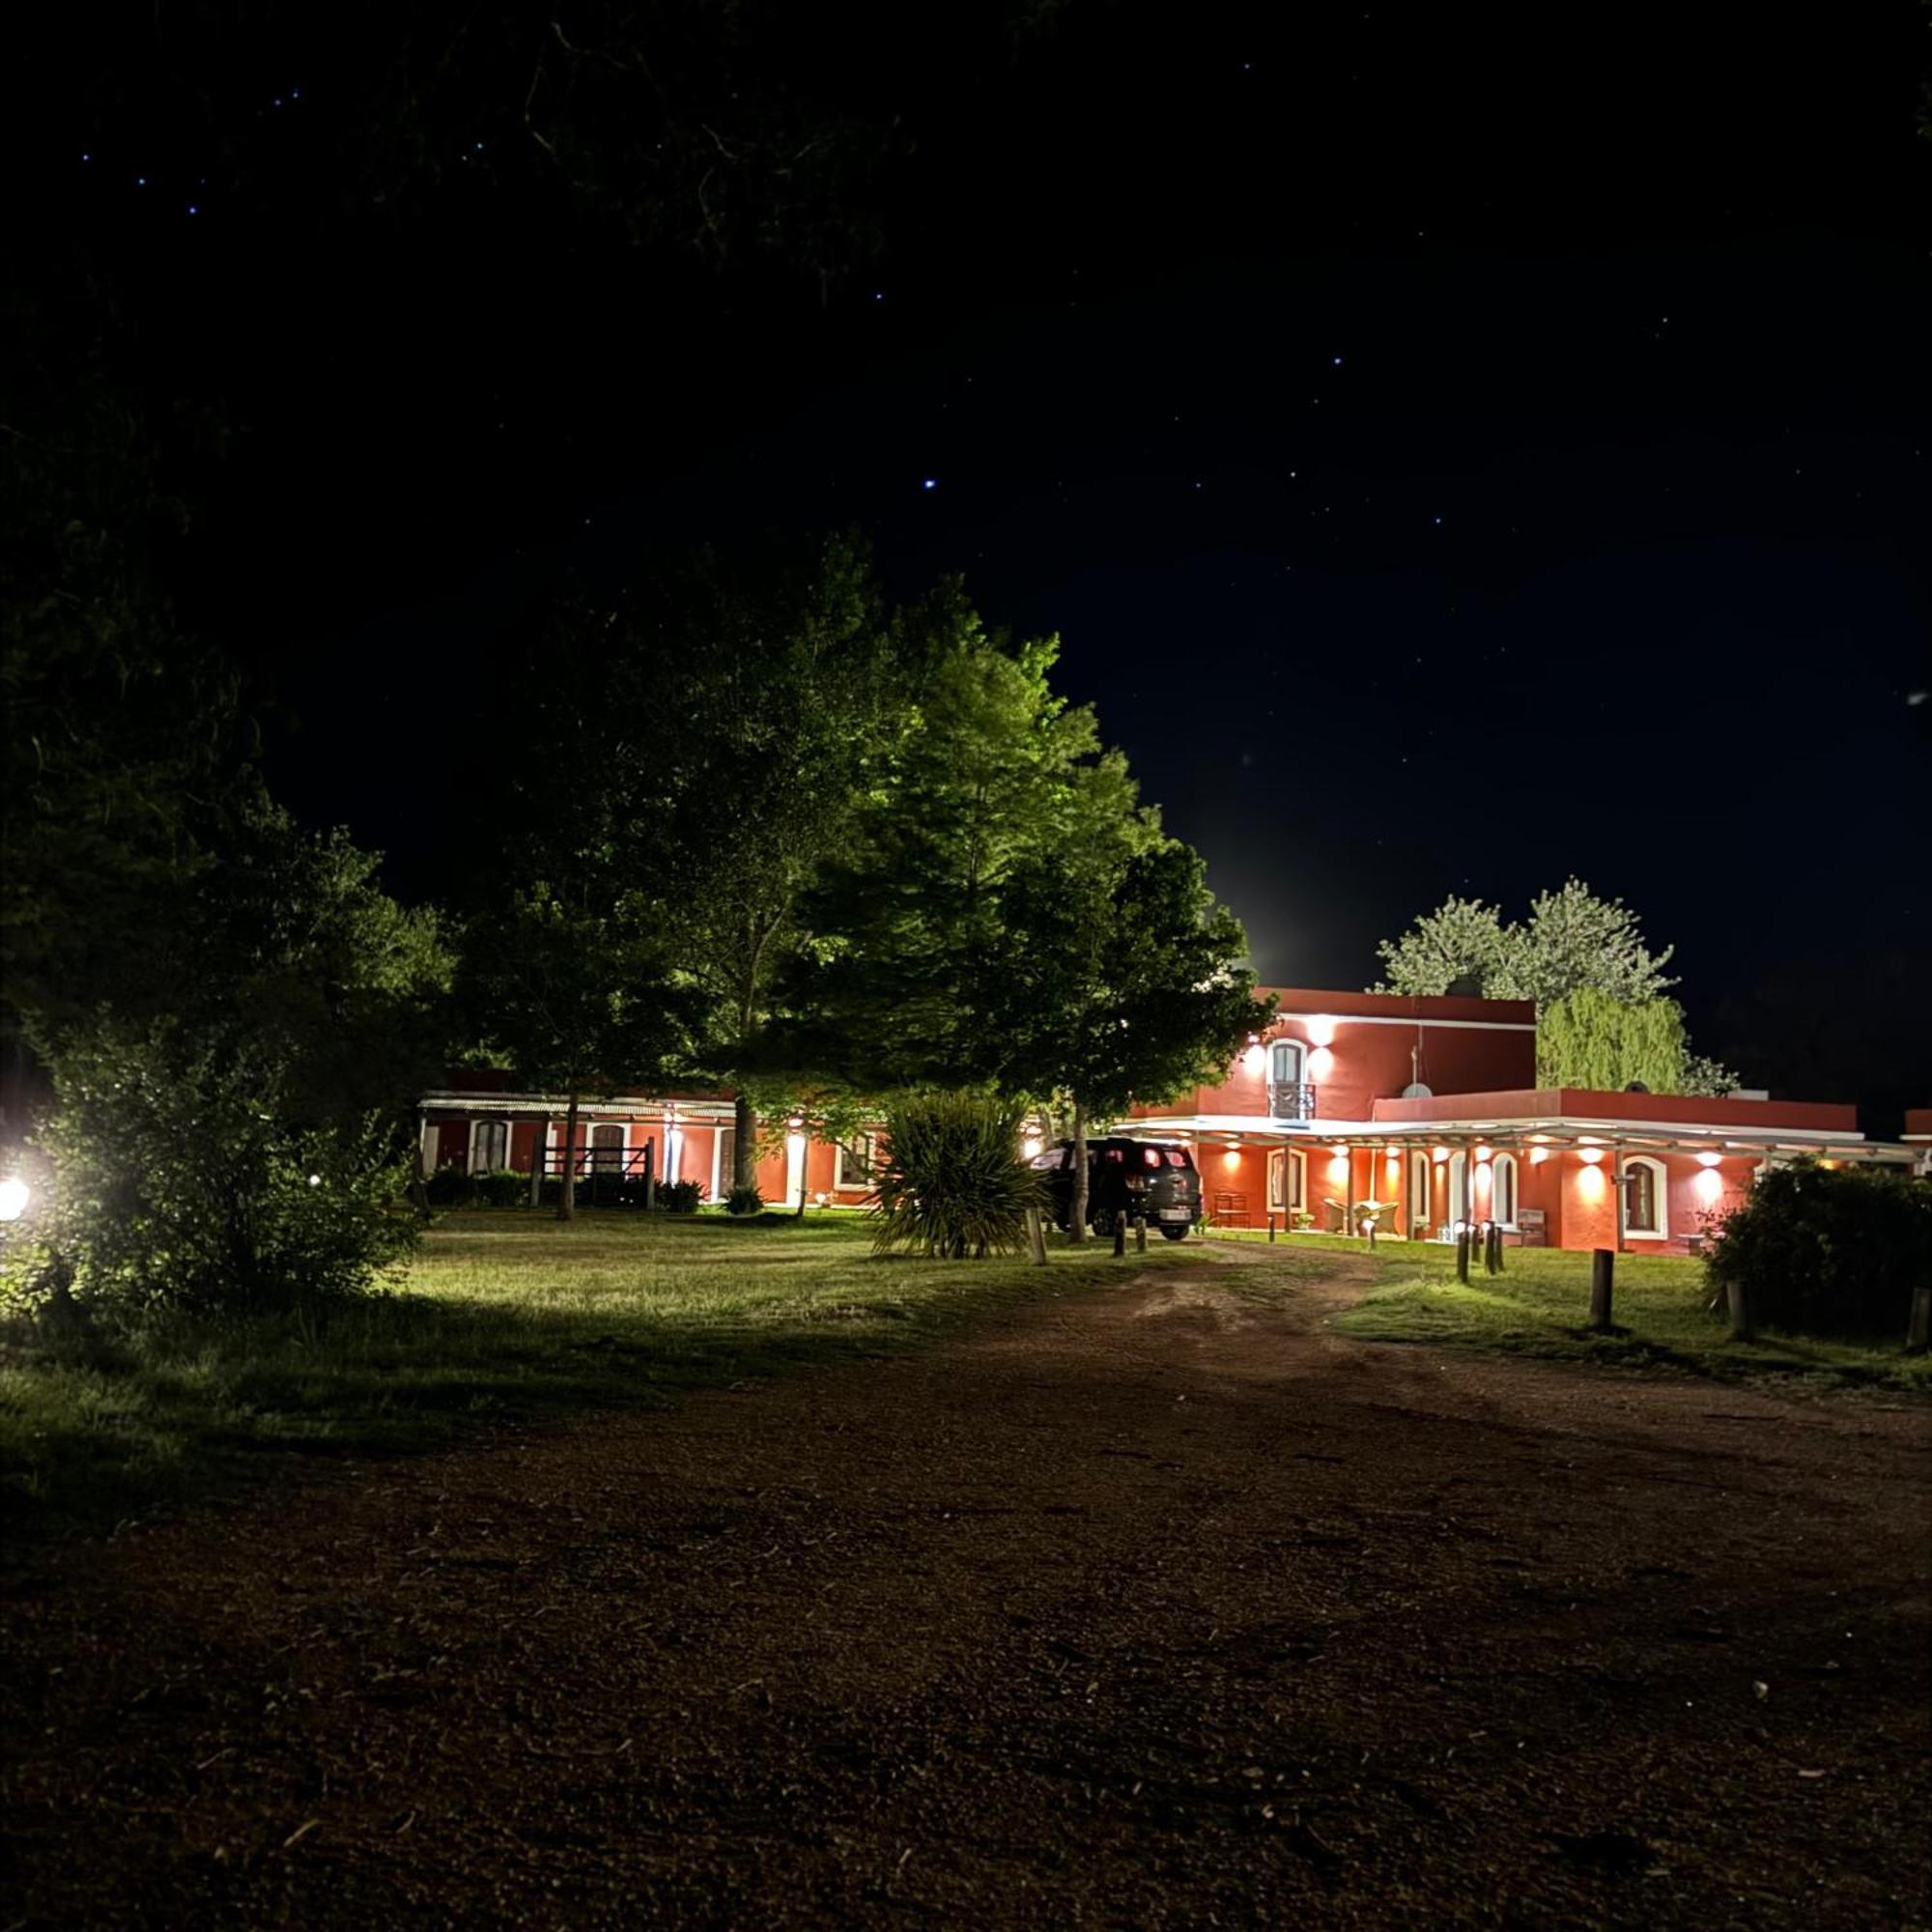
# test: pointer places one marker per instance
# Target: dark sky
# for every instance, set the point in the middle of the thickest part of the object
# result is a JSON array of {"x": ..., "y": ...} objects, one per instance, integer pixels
[{"x": 1456, "y": 453}]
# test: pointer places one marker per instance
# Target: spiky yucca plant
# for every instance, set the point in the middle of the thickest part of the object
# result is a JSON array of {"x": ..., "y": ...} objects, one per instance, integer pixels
[{"x": 952, "y": 1182}]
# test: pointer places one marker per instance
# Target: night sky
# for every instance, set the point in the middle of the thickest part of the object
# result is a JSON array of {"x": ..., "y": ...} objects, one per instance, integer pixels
[{"x": 1455, "y": 456}]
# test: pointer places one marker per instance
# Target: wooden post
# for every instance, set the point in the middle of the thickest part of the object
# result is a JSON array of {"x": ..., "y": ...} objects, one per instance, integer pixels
[
  {"x": 1271, "y": 1226},
  {"x": 1918, "y": 1330},
  {"x": 1742, "y": 1329},
  {"x": 539, "y": 1149},
  {"x": 1497, "y": 1267},
  {"x": 1036, "y": 1237},
  {"x": 1462, "y": 1252},
  {"x": 1140, "y": 1233},
  {"x": 1602, "y": 1272},
  {"x": 1120, "y": 1234},
  {"x": 1617, "y": 1195}
]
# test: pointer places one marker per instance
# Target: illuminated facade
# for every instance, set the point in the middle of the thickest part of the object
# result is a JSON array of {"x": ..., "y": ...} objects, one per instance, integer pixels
[{"x": 1423, "y": 1114}]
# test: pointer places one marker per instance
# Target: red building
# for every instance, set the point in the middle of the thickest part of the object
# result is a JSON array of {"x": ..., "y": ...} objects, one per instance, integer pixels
[
  {"x": 477, "y": 1124},
  {"x": 1422, "y": 1112},
  {"x": 1426, "y": 1113}
]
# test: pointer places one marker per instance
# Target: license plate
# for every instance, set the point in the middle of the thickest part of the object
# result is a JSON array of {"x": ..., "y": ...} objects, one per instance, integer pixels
[{"x": 1177, "y": 1214}]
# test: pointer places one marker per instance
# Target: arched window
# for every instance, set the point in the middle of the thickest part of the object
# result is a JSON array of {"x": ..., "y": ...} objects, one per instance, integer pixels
[
  {"x": 1502, "y": 1190},
  {"x": 1287, "y": 1170},
  {"x": 1461, "y": 1208},
  {"x": 1421, "y": 1210},
  {"x": 1646, "y": 1198},
  {"x": 1288, "y": 1097}
]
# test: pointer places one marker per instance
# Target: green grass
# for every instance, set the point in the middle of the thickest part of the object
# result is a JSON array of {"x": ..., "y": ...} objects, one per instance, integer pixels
[
  {"x": 1540, "y": 1305},
  {"x": 502, "y": 1317}
]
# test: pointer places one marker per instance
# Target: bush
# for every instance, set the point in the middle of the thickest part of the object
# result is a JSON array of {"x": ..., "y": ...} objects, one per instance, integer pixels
[
  {"x": 746, "y": 1200},
  {"x": 953, "y": 1182},
  {"x": 450, "y": 1188},
  {"x": 175, "y": 1183},
  {"x": 1828, "y": 1252},
  {"x": 680, "y": 1197},
  {"x": 501, "y": 1188}
]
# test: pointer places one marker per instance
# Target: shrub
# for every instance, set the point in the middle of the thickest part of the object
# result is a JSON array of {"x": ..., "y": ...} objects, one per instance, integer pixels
[
  {"x": 744, "y": 1200},
  {"x": 450, "y": 1188},
  {"x": 1828, "y": 1252},
  {"x": 680, "y": 1197},
  {"x": 953, "y": 1182},
  {"x": 501, "y": 1188},
  {"x": 175, "y": 1182}
]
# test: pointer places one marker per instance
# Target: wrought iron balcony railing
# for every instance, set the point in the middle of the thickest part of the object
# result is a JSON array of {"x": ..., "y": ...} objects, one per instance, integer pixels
[{"x": 1290, "y": 1100}]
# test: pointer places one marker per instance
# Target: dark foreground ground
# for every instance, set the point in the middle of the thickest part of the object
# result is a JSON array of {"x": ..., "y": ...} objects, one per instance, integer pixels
[{"x": 1154, "y": 1605}]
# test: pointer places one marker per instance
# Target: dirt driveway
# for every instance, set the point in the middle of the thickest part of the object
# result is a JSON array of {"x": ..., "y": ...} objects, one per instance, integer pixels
[{"x": 1152, "y": 1605}]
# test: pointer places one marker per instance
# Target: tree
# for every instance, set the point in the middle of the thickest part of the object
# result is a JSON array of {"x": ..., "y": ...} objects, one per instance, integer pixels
[
  {"x": 1602, "y": 1017},
  {"x": 1571, "y": 939},
  {"x": 575, "y": 995},
  {"x": 988, "y": 769},
  {"x": 1462, "y": 945},
  {"x": 1589, "y": 1039},
  {"x": 1125, "y": 982}
]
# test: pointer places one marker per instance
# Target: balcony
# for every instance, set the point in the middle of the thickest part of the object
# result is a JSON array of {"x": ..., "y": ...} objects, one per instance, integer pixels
[{"x": 1290, "y": 1100}]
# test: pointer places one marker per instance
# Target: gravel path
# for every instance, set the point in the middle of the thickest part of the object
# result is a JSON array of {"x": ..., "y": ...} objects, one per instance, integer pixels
[{"x": 1154, "y": 1605}]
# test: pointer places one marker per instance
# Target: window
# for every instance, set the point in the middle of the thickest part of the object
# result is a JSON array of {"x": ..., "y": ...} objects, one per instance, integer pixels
[
  {"x": 607, "y": 1150},
  {"x": 1288, "y": 1170},
  {"x": 489, "y": 1145},
  {"x": 1421, "y": 1212},
  {"x": 1502, "y": 1190},
  {"x": 1645, "y": 1192},
  {"x": 1461, "y": 1208},
  {"x": 852, "y": 1166},
  {"x": 727, "y": 1161}
]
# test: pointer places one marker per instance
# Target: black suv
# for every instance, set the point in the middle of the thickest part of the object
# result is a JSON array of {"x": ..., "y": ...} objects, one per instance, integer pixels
[{"x": 1127, "y": 1179}]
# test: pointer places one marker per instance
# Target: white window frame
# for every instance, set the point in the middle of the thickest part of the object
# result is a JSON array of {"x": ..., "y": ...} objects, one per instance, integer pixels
[
  {"x": 1421, "y": 1192},
  {"x": 1660, "y": 1191},
  {"x": 842, "y": 1153},
  {"x": 1498, "y": 1165},
  {"x": 1291, "y": 1196},
  {"x": 478, "y": 1129},
  {"x": 1460, "y": 1205}
]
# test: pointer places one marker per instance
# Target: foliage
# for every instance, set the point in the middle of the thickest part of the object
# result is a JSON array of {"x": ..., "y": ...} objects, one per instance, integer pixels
[
  {"x": 1589, "y": 1039},
  {"x": 1460, "y": 945},
  {"x": 493, "y": 1187},
  {"x": 1602, "y": 1019},
  {"x": 953, "y": 1182},
  {"x": 1822, "y": 1251},
  {"x": 679, "y": 1197},
  {"x": 744, "y": 1200},
  {"x": 1571, "y": 939},
  {"x": 179, "y": 1182}
]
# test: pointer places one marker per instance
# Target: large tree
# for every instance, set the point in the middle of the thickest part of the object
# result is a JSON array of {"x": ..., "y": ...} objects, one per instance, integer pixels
[
  {"x": 1124, "y": 981},
  {"x": 1599, "y": 988}
]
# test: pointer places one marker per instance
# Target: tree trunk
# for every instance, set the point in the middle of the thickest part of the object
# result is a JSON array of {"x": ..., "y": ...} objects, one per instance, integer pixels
[
  {"x": 1076, "y": 1213},
  {"x": 538, "y": 1148},
  {"x": 744, "y": 1147},
  {"x": 566, "y": 1203}
]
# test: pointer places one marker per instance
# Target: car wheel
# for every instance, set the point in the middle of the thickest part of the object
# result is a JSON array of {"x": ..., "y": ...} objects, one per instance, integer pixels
[
  {"x": 1102, "y": 1220},
  {"x": 1175, "y": 1233}
]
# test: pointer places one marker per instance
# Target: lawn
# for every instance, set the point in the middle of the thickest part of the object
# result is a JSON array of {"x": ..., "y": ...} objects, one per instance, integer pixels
[
  {"x": 1540, "y": 1305},
  {"x": 503, "y": 1316}
]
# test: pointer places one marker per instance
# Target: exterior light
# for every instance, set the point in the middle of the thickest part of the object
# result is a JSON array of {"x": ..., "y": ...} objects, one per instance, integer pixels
[
  {"x": 1320, "y": 1063},
  {"x": 1590, "y": 1156},
  {"x": 1255, "y": 1057},
  {"x": 1538, "y": 1156},
  {"x": 1030, "y": 1147},
  {"x": 1483, "y": 1155},
  {"x": 1321, "y": 1030},
  {"x": 1709, "y": 1160},
  {"x": 1710, "y": 1183},
  {"x": 315, "y": 1181},
  {"x": 1232, "y": 1157},
  {"x": 14, "y": 1195},
  {"x": 1439, "y": 1156}
]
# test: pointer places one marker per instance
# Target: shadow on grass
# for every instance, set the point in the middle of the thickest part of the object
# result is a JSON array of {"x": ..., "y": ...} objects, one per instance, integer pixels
[{"x": 505, "y": 1318}]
